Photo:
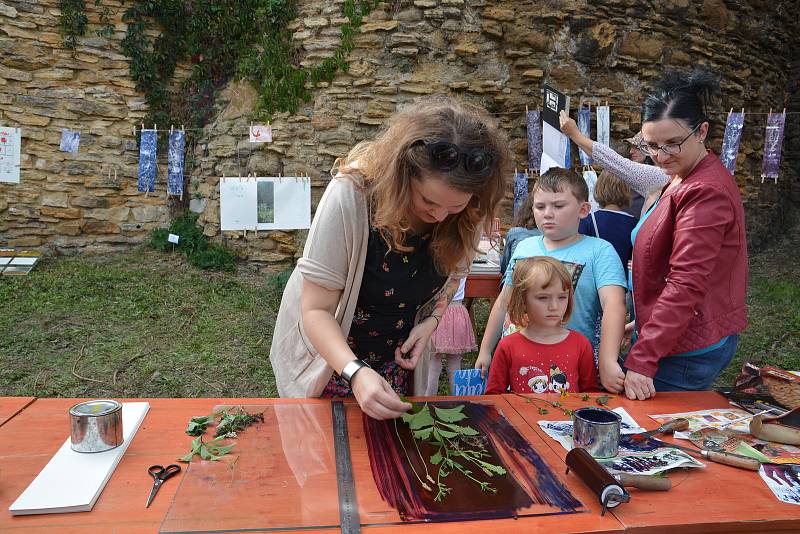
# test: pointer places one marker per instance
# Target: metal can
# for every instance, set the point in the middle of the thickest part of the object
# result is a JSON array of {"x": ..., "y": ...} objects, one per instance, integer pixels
[
  {"x": 597, "y": 431},
  {"x": 95, "y": 425}
]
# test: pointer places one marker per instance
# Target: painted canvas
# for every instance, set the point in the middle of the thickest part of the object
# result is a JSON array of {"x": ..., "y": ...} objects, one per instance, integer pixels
[
  {"x": 408, "y": 472},
  {"x": 177, "y": 143},
  {"x": 520, "y": 190},
  {"x": 147, "y": 162}
]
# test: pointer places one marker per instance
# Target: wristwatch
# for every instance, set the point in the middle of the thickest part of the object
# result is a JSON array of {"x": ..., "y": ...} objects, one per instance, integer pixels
[{"x": 350, "y": 370}]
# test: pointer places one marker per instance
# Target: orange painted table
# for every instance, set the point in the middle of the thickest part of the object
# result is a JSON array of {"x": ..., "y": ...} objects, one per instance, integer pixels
[
  {"x": 482, "y": 286},
  {"x": 11, "y": 406},
  {"x": 30, "y": 439},
  {"x": 717, "y": 498}
]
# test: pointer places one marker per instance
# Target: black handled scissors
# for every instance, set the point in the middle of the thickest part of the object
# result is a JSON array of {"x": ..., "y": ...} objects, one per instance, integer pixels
[{"x": 160, "y": 474}]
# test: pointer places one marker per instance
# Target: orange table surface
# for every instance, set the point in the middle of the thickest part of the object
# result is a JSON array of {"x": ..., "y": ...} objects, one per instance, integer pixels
[
  {"x": 11, "y": 406},
  {"x": 30, "y": 439},
  {"x": 718, "y": 498}
]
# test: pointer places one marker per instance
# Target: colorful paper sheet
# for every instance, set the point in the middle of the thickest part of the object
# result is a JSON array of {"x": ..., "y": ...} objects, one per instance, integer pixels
[
  {"x": 534, "y": 123},
  {"x": 147, "y": 162},
  {"x": 468, "y": 382},
  {"x": 720, "y": 418},
  {"x": 177, "y": 143},
  {"x": 585, "y": 125},
  {"x": 260, "y": 133},
  {"x": 730, "y": 143},
  {"x": 604, "y": 125},
  {"x": 773, "y": 139}
]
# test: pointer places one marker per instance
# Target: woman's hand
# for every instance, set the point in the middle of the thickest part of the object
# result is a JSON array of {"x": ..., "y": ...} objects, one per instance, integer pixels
[
  {"x": 407, "y": 355},
  {"x": 612, "y": 376},
  {"x": 375, "y": 396},
  {"x": 638, "y": 386},
  {"x": 482, "y": 363},
  {"x": 568, "y": 126}
]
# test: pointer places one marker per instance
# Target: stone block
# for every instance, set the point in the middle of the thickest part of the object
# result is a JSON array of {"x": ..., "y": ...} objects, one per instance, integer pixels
[
  {"x": 198, "y": 205},
  {"x": 61, "y": 213},
  {"x": 499, "y": 13},
  {"x": 118, "y": 215},
  {"x": 315, "y": 22},
  {"x": 385, "y": 25},
  {"x": 99, "y": 227},
  {"x": 640, "y": 46},
  {"x": 148, "y": 213},
  {"x": 68, "y": 228},
  {"x": 27, "y": 119},
  {"x": 22, "y": 210},
  {"x": 58, "y": 200},
  {"x": 25, "y": 242},
  {"x": 13, "y": 74}
]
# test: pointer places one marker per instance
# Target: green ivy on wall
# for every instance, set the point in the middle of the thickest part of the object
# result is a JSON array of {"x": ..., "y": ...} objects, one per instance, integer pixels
[{"x": 221, "y": 39}]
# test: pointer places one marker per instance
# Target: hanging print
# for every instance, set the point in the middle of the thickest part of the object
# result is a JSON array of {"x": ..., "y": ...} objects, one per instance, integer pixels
[
  {"x": 147, "y": 162},
  {"x": 70, "y": 140},
  {"x": 520, "y": 190},
  {"x": 773, "y": 138},
  {"x": 534, "y": 119},
  {"x": 603, "y": 125},
  {"x": 730, "y": 143},
  {"x": 584, "y": 125},
  {"x": 177, "y": 142}
]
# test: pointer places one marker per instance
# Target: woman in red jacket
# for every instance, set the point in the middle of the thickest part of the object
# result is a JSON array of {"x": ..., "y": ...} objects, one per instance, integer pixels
[{"x": 690, "y": 254}]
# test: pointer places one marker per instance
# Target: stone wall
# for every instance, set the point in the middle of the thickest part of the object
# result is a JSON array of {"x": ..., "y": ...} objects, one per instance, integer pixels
[{"x": 495, "y": 53}]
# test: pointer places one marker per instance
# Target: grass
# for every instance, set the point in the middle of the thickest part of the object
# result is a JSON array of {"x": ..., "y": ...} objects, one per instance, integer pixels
[{"x": 148, "y": 324}]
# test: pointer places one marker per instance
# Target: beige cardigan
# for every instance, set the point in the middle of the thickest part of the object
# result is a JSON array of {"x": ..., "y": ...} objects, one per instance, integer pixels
[{"x": 333, "y": 257}]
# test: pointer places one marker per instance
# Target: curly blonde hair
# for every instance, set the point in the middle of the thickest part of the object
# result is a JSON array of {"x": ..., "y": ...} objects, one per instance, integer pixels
[
  {"x": 395, "y": 157},
  {"x": 544, "y": 271}
]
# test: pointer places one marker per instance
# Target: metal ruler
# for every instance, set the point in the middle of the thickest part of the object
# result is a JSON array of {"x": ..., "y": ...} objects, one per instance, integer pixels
[{"x": 348, "y": 505}]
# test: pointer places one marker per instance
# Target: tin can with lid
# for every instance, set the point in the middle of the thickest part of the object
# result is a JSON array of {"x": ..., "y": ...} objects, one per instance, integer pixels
[{"x": 95, "y": 426}]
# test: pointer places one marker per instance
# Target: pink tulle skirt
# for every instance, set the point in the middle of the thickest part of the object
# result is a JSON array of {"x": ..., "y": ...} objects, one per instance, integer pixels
[{"x": 454, "y": 334}]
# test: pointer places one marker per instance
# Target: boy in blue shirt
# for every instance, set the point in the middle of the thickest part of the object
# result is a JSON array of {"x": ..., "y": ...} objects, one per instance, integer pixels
[{"x": 561, "y": 200}]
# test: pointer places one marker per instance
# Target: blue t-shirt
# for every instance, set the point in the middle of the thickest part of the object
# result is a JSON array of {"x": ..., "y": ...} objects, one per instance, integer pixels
[
  {"x": 593, "y": 264},
  {"x": 615, "y": 227}
]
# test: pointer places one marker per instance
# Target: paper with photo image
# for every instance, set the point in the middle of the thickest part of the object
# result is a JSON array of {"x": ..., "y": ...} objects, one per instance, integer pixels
[
  {"x": 177, "y": 143},
  {"x": 147, "y": 162},
  {"x": 555, "y": 149},
  {"x": 534, "y": 126},
  {"x": 585, "y": 125},
  {"x": 783, "y": 481},
  {"x": 561, "y": 431},
  {"x": 709, "y": 419},
  {"x": 730, "y": 141},
  {"x": 520, "y": 190},
  {"x": 773, "y": 139},
  {"x": 260, "y": 133}
]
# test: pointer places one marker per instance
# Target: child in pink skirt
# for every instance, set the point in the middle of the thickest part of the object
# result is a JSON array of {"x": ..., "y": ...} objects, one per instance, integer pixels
[{"x": 453, "y": 337}]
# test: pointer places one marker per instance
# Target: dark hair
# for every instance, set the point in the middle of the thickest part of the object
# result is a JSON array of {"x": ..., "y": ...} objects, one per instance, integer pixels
[
  {"x": 681, "y": 96},
  {"x": 557, "y": 179}
]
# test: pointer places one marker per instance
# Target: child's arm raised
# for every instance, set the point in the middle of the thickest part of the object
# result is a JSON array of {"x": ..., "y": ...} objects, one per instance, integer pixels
[
  {"x": 612, "y": 329},
  {"x": 494, "y": 328}
]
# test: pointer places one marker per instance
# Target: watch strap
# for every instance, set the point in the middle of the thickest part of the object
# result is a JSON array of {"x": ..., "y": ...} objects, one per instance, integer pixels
[{"x": 350, "y": 370}]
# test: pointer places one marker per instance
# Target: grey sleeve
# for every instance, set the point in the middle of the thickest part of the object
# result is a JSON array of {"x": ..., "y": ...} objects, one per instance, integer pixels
[{"x": 640, "y": 177}]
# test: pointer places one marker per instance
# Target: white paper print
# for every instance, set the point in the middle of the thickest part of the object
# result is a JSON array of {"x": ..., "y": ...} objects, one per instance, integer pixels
[
  {"x": 260, "y": 133},
  {"x": 650, "y": 462},
  {"x": 10, "y": 143},
  {"x": 591, "y": 180},
  {"x": 70, "y": 140},
  {"x": 604, "y": 125},
  {"x": 561, "y": 431},
  {"x": 237, "y": 204},
  {"x": 555, "y": 148}
]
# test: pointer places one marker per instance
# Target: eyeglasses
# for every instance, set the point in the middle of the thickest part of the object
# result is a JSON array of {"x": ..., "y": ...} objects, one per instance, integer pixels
[
  {"x": 670, "y": 149},
  {"x": 446, "y": 156}
]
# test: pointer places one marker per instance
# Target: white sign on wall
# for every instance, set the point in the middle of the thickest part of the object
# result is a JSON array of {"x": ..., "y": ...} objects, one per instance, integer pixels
[{"x": 9, "y": 154}]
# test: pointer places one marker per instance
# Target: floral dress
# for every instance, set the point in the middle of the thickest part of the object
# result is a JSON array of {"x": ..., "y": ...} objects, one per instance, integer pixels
[{"x": 394, "y": 287}]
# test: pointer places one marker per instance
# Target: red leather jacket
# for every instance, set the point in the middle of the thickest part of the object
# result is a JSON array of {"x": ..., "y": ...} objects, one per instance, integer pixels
[{"x": 690, "y": 268}]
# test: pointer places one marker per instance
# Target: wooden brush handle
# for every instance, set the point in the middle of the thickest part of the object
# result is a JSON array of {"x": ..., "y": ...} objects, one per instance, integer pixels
[
  {"x": 644, "y": 482},
  {"x": 735, "y": 460}
]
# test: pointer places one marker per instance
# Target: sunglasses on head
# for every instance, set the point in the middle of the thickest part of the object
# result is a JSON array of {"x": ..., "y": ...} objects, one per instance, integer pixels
[{"x": 446, "y": 156}]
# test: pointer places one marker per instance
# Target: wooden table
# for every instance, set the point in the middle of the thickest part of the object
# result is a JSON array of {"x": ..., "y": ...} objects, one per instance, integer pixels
[
  {"x": 480, "y": 286},
  {"x": 717, "y": 499},
  {"x": 11, "y": 406}
]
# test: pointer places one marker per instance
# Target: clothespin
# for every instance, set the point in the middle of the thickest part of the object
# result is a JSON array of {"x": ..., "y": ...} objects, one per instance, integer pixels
[
  {"x": 134, "y": 131},
  {"x": 729, "y": 113},
  {"x": 182, "y": 128},
  {"x": 526, "y": 110},
  {"x": 515, "y": 171},
  {"x": 171, "y": 128}
]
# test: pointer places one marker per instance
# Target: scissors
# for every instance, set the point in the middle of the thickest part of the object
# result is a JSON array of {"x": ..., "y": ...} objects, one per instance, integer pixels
[{"x": 160, "y": 474}]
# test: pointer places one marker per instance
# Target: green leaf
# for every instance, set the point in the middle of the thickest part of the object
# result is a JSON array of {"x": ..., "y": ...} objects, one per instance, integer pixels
[
  {"x": 585, "y": 397},
  {"x": 204, "y": 452},
  {"x": 420, "y": 420},
  {"x": 445, "y": 433},
  {"x": 463, "y": 430},
  {"x": 436, "y": 459},
  {"x": 450, "y": 415},
  {"x": 423, "y": 434},
  {"x": 187, "y": 458},
  {"x": 602, "y": 400},
  {"x": 556, "y": 404},
  {"x": 542, "y": 411}
]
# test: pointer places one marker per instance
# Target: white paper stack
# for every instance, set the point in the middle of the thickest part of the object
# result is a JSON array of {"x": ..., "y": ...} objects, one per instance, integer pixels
[
  {"x": 72, "y": 481},
  {"x": 485, "y": 267}
]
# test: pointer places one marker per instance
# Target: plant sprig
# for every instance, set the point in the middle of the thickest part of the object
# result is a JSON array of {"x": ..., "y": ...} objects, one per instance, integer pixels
[
  {"x": 458, "y": 448},
  {"x": 229, "y": 424}
]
